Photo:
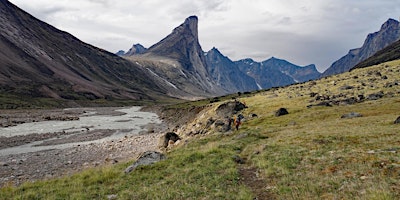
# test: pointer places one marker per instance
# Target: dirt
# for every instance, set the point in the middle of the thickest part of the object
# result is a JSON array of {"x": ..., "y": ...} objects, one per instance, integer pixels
[
  {"x": 250, "y": 178},
  {"x": 19, "y": 168}
]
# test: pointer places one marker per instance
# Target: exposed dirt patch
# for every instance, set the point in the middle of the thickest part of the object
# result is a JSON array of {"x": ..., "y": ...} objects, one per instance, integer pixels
[{"x": 251, "y": 178}]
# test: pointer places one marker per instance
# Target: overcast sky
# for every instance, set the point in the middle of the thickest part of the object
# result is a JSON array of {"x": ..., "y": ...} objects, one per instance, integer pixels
[{"x": 302, "y": 32}]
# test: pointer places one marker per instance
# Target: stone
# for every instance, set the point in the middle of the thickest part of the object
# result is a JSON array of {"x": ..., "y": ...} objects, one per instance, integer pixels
[
  {"x": 146, "y": 158},
  {"x": 375, "y": 96},
  {"x": 164, "y": 140},
  {"x": 281, "y": 111},
  {"x": 397, "y": 121},
  {"x": 351, "y": 115}
]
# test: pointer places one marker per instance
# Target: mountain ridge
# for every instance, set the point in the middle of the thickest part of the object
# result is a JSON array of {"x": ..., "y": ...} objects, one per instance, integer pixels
[{"x": 388, "y": 33}]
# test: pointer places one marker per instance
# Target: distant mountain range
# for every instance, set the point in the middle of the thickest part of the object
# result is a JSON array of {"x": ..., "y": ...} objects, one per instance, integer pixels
[{"x": 388, "y": 34}]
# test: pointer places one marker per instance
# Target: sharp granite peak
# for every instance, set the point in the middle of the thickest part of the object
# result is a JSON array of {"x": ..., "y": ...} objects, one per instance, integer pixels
[{"x": 211, "y": 72}]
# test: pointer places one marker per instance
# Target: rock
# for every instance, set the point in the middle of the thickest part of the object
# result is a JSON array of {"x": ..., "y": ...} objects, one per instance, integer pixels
[
  {"x": 164, "y": 140},
  {"x": 253, "y": 115},
  {"x": 229, "y": 108},
  {"x": 238, "y": 159},
  {"x": 281, "y": 111},
  {"x": 346, "y": 87},
  {"x": 397, "y": 121},
  {"x": 147, "y": 158},
  {"x": 351, "y": 115},
  {"x": 375, "y": 96},
  {"x": 112, "y": 196}
]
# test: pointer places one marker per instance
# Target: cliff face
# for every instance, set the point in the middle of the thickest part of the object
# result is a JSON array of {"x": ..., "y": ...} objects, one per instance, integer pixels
[
  {"x": 388, "y": 34},
  {"x": 227, "y": 74}
]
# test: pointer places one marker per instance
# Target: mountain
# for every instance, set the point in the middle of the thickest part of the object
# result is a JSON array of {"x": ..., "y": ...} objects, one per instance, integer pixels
[
  {"x": 179, "y": 61},
  {"x": 277, "y": 72},
  {"x": 227, "y": 74},
  {"x": 389, "y": 53},
  {"x": 38, "y": 60},
  {"x": 136, "y": 49},
  {"x": 388, "y": 34}
]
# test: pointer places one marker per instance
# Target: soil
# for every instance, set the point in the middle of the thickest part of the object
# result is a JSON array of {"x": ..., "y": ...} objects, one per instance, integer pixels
[
  {"x": 19, "y": 168},
  {"x": 250, "y": 178}
]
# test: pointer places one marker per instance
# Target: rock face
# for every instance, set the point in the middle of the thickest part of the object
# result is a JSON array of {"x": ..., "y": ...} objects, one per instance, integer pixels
[
  {"x": 227, "y": 74},
  {"x": 389, "y": 53},
  {"x": 147, "y": 158},
  {"x": 38, "y": 60},
  {"x": 388, "y": 34},
  {"x": 179, "y": 61},
  {"x": 136, "y": 49}
]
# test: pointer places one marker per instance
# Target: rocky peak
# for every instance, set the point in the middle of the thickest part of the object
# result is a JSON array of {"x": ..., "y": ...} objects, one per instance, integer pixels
[
  {"x": 390, "y": 23},
  {"x": 136, "y": 49},
  {"x": 388, "y": 34}
]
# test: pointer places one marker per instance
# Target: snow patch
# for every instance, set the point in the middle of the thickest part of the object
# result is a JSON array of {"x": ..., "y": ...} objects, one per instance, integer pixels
[
  {"x": 169, "y": 83},
  {"x": 259, "y": 86}
]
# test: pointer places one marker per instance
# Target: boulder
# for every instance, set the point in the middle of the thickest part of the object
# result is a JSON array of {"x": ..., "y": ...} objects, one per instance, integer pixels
[
  {"x": 146, "y": 158},
  {"x": 397, "y": 121},
  {"x": 351, "y": 115},
  {"x": 375, "y": 96},
  {"x": 229, "y": 108},
  {"x": 164, "y": 140},
  {"x": 281, "y": 111}
]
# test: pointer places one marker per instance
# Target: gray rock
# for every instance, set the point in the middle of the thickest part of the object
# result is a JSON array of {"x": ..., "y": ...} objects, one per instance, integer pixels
[
  {"x": 397, "y": 121},
  {"x": 147, "y": 158},
  {"x": 281, "y": 111},
  {"x": 351, "y": 115}
]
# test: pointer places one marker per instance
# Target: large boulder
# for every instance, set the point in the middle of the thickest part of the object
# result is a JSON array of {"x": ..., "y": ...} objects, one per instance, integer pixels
[
  {"x": 230, "y": 108},
  {"x": 147, "y": 158}
]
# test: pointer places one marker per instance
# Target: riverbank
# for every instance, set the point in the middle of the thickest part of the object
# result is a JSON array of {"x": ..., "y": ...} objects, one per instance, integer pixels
[{"x": 64, "y": 152}]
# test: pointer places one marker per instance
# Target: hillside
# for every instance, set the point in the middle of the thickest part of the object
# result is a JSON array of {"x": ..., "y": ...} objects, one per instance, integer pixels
[
  {"x": 317, "y": 151},
  {"x": 391, "y": 52},
  {"x": 41, "y": 65}
]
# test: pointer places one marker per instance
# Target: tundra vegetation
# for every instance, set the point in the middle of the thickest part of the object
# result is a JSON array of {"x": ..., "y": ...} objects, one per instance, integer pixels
[{"x": 310, "y": 153}]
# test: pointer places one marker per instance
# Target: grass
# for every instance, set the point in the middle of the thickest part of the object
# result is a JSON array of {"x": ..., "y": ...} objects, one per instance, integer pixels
[{"x": 311, "y": 153}]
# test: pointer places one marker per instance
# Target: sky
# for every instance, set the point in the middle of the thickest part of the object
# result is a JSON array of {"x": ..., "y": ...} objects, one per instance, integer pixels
[{"x": 302, "y": 32}]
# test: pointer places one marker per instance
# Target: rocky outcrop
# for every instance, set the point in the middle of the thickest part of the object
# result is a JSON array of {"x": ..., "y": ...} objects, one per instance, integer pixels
[
  {"x": 281, "y": 112},
  {"x": 388, "y": 34},
  {"x": 147, "y": 158}
]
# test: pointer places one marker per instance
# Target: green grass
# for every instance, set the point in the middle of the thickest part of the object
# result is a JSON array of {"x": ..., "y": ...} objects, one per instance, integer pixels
[{"x": 312, "y": 153}]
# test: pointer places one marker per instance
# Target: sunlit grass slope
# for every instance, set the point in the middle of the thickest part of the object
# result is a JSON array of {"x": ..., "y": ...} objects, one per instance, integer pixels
[{"x": 311, "y": 153}]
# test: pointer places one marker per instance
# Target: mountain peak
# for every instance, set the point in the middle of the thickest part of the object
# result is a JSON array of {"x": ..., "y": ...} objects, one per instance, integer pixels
[
  {"x": 189, "y": 26},
  {"x": 390, "y": 23}
]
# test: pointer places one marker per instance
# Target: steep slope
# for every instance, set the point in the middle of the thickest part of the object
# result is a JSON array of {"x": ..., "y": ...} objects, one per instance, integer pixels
[
  {"x": 277, "y": 72},
  {"x": 179, "y": 61},
  {"x": 388, "y": 34},
  {"x": 38, "y": 60},
  {"x": 391, "y": 52},
  {"x": 227, "y": 74}
]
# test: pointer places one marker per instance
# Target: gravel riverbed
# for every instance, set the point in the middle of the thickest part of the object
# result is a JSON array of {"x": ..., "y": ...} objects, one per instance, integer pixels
[{"x": 54, "y": 154}]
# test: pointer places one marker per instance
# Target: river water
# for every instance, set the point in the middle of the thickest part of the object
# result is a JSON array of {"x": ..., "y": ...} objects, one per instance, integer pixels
[{"x": 130, "y": 121}]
